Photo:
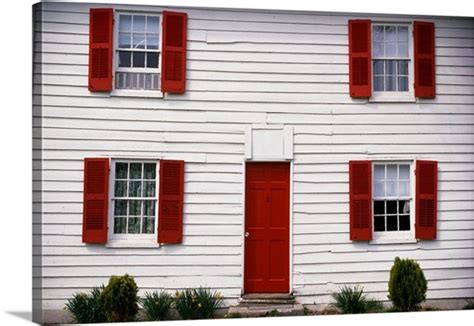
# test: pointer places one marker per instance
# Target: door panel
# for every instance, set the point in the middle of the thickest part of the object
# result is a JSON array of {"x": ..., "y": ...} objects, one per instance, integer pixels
[{"x": 267, "y": 215}]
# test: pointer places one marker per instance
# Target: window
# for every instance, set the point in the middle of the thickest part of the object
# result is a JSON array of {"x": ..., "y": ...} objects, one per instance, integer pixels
[
  {"x": 392, "y": 199},
  {"x": 134, "y": 199},
  {"x": 138, "y": 52},
  {"x": 391, "y": 61}
]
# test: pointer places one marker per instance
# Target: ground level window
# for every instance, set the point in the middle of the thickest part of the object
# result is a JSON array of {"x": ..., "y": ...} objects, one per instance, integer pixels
[
  {"x": 134, "y": 198},
  {"x": 391, "y": 197}
]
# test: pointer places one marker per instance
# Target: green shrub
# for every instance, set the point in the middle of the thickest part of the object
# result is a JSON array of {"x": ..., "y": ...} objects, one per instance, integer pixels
[
  {"x": 86, "y": 308},
  {"x": 207, "y": 302},
  {"x": 185, "y": 302},
  {"x": 469, "y": 304},
  {"x": 119, "y": 299},
  {"x": 374, "y": 306},
  {"x": 407, "y": 285},
  {"x": 350, "y": 300},
  {"x": 156, "y": 305}
]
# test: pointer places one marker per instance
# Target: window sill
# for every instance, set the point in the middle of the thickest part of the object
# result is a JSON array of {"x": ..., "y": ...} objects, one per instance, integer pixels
[
  {"x": 392, "y": 98},
  {"x": 136, "y": 93},
  {"x": 380, "y": 241},
  {"x": 132, "y": 244}
]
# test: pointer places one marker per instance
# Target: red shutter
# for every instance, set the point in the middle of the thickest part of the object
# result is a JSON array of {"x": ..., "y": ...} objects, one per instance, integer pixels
[
  {"x": 96, "y": 199},
  {"x": 173, "y": 69},
  {"x": 426, "y": 199},
  {"x": 170, "y": 210},
  {"x": 100, "y": 49},
  {"x": 424, "y": 40},
  {"x": 360, "y": 58},
  {"x": 360, "y": 200}
]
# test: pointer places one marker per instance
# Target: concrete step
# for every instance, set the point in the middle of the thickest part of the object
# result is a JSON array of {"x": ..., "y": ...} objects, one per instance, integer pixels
[
  {"x": 260, "y": 310},
  {"x": 267, "y": 298}
]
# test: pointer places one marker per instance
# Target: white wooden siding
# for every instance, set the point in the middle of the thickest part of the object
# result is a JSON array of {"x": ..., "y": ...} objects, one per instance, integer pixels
[{"x": 249, "y": 67}]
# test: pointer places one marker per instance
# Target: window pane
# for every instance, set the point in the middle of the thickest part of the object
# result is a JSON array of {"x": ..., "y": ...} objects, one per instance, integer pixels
[
  {"x": 379, "y": 189},
  {"x": 377, "y": 50},
  {"x": 135, "y": 170},
  {"x": 392, "y": 172},
  {"x": 152, "y": 60},
  {"x": 404, "y": 172},
  {"x": 378, "y": 33},
  {"x": 402, "y": 67},
  {"x": 134, "y": 225},
  {"x": 378, "y": 84},
  {"x": 403, "y": 84},
  {"x": 152, "y": 24},
  {"x": 392, "y": 224},
  {"x": 391, "y": 207},
  {"x": 390, "y": 85},
  {"x": 139, "y": 59},
  {"x": 390, "y": 67},
  {"x": 404, "y": 207},
  {"x": 134, "y": 207},
  {"x": 135, "y": 189},
  {"x": 148, "y": 226},
  {"x": 390, "y": 34},
  {"x": 125, "y": 23},
  {"x": 138, "y": 23},
  {"x": 150, "y": 171},
  {"x": 124, "y": 40},
  {"x": 124, "y": 59},
  {"x": 390, "y": 49},
  {"x": 149, "y": 189},
  {"x": 391, "y": 188},
  {"x": 151, "y": 41},
  {"x": 379, "y": 223},
  {"x": 379, "y": 172},
  {"x": 120, "y": 225},
  {"x": 378, "y": 67},
  {"x": 138, "y": 41},
  {"x": 379, "y": 207},
  {"x": 402, "y": 50},
  {"x": 402, "y": 33},
  {"x": 404, "y": 222},
  {"x": 404, "y": 188},
  {"x": 120, "y": 208},
  {"x": 149, "y": 208},
  {"x": 121, "y": 170},
  {"x": 120, "y": 189}
]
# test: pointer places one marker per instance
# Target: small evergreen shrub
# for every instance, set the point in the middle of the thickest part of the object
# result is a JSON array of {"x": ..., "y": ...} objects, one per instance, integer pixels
[
  {"x": 119, "y": 299},
  {"x": 207, "y": 302},
  {"x": 469, "y": 304},
  {"x": 374, "y": 306},
  {"x": 350, "y": 300},
  {"x": 185, "y": 302},
  {"x": 86, "y": 308},
  {"x": 407, "y": 285},
  {"x": 156, "y": 305}
]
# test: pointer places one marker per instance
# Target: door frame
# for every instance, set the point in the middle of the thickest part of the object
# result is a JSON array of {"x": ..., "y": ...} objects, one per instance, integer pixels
[{"x": 290, "y": 227}]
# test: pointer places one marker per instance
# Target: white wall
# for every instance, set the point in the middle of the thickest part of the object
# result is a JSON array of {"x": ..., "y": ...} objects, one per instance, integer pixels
[{"x": 244, "y": 68}]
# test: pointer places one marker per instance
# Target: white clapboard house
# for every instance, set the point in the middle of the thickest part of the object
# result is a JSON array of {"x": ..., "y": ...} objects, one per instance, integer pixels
[{"x": 250, "y": 151}]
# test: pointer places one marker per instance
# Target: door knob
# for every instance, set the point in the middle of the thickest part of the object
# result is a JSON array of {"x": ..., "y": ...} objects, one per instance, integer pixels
[{"x": 247, "y": 234}]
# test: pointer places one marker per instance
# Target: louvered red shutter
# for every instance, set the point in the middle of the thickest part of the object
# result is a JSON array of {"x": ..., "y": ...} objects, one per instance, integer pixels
[
  {"x": 360, "y": 57},
  {"x": 95, "y": 201},
  {"x": 173, "y": 65},
  {"x": 426, "y": 199},
  {"x": 360, "y": 200},
  {"x": 424, "y": 40},
  {"x": 170, "y": 210},
  {"x": 100, "y": 49}
]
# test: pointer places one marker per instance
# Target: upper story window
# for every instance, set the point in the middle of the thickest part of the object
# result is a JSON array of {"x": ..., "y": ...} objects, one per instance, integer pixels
[
  {"x": 138, "y": 52},
  {"x": 390, "y": 57}
]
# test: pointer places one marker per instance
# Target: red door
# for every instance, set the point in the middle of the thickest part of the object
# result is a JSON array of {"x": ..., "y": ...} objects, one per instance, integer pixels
[{"x": 267, "y": 219}]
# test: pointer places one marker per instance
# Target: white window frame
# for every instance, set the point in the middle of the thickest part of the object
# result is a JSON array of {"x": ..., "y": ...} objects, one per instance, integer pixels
[
  {"x": 135, "y": 92},
  {"x": 128, "y": 239},
  {"x": 395, "y": 236},
  {"x": 408, "y": 96}
]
